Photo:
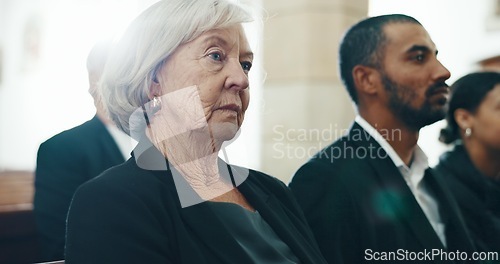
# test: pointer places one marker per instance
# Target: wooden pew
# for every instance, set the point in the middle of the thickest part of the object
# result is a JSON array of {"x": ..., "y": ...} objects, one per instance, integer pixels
[{"x": 18, "y": 236}]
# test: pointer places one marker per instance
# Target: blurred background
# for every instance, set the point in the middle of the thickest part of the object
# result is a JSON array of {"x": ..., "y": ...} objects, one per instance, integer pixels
[{"x": 298, "y": 104}]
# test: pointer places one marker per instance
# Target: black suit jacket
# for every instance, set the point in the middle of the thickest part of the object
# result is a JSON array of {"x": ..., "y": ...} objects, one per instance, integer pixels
[
  {"x": 358, "y": 203},
  {"x": 133, "y": 215},
  {"x": 65, "y": 162}
]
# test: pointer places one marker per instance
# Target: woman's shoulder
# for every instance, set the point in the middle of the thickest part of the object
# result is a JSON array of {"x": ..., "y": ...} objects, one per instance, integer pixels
[
  {"x": 452, "y": 161},
  {"x": 126, "y": 179},
  {"x": 456, "y": 164},
  {"x": 266, "y": 180},
  {"x": 120, "y": 175},
  {"x": 270, "y": 185},
  {"x": 130, "y": 210}
]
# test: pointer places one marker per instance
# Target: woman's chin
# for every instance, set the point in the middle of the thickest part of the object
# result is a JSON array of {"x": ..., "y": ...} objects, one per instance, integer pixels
[{"x": 224, "y": 131}]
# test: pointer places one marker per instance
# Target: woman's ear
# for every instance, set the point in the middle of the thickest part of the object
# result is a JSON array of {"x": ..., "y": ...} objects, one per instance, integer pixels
[
  {"x": 366, "y": 79},
  {"x": 463, "y": 118},
  {"x": 154, "y": 88}
]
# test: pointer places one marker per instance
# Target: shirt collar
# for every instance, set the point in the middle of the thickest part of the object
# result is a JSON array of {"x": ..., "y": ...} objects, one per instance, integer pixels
[
  {"x": 418, "y": 166},
  {"x": 380, "y": 140},
  {"x": 125, "y": 143},
  {"x": 419, "y": 163}
]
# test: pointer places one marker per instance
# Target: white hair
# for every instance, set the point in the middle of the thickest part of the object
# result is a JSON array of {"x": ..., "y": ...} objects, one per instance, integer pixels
[
  {"x": 148, "y": 42},
  {"x": 97, "y": 57}
]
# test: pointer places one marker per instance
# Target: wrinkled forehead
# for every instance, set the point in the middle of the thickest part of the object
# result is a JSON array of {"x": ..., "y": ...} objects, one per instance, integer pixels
[{"x": 233, "y": 37}]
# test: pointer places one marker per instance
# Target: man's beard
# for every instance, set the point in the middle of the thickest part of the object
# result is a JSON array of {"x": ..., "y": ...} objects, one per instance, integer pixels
[{"x": 400, "y": 101}]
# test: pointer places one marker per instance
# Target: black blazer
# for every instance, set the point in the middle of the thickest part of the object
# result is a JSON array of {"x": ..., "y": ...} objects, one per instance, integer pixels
[
  {"x": 64, "y": 162},
  {"x": 477, "y": 196},
  {"x": 357, "y": 203},
  {"x": 133, "y": 215}
]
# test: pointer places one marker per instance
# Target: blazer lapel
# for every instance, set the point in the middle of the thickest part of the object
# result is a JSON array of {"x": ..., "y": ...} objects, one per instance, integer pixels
[
  {"x": 196, "y": 218},
  {"x": 283, "y": 223},
  {"x": 407, "y": 207},
  {"x": 399, "y": 198}
]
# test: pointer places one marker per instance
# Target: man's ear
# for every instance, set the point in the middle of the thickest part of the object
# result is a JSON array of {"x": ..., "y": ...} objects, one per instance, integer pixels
[{"x": 366, "y": 79}]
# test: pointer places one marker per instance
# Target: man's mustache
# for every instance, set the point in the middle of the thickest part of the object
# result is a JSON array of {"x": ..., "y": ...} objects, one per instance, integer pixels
[{"x": 439, "y": 87}]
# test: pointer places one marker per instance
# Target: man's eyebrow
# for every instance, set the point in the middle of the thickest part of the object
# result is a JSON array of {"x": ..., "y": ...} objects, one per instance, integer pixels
[{"x": 420, "y": 48}]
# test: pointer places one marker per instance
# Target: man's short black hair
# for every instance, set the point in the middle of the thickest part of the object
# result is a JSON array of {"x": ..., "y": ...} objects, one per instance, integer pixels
[{"x": 363, "y": 44}]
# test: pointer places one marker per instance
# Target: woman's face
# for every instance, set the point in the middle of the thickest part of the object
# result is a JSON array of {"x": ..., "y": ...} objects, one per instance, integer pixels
[
  {"x": 486, "y": 120},
  {"x": 217, "y": 64}
]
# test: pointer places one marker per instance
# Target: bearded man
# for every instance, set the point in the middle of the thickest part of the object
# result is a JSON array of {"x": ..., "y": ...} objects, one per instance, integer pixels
[{"x": 370, "y": 195}]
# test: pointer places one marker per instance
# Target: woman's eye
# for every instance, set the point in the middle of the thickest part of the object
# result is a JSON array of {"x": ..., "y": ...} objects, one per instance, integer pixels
[
  {"x": 246, "y": 66},
  {"x": 216, "y": 56}
]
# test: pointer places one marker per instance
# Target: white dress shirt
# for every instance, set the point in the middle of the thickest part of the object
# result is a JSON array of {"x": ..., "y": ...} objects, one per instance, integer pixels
[
  {"x": 125, "y": 143},
  {"x": 413, "y": 176}
]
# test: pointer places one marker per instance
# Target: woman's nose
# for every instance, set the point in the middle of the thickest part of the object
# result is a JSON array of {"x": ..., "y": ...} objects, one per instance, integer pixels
[{"x": 237, "y": 78}]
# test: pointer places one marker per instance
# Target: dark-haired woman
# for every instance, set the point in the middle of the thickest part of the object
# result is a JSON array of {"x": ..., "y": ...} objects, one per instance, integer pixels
[{"x": 472, "y": 168}]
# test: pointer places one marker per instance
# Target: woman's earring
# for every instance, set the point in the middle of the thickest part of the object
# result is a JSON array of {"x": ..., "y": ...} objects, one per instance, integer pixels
[
  {"x": 468, "y": 132},
  {"x": 154, "y": 105},
  {"x": 156, "y": 102}
]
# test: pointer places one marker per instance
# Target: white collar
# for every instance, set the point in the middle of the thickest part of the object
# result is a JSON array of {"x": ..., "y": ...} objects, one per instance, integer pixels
[
  {"x": 419, "y": 163},
  {"x": 125, "y": 143}
]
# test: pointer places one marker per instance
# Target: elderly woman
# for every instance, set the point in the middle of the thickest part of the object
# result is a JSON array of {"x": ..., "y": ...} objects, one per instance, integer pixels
[
  {"x": 472, "y": 168},
  {"x": 178, "y": 83}
]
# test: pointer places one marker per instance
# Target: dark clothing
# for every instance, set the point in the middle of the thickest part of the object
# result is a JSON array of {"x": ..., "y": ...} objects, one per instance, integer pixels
[
  {"x": 256, "y": 237},
  {"x": 477, "y": 196},
  {"x": 358, "y": 204},
  {"x": 133, "y": 215},
  {"x": 64, "y": 162}
]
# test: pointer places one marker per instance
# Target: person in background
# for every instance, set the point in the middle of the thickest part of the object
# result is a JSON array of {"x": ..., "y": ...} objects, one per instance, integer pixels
[
  {"x": 472, "y": 168},
  {"x": 178, "y": 83},
  {"x": 371, "y": 192},
  {"x": 72, "y": 157}
]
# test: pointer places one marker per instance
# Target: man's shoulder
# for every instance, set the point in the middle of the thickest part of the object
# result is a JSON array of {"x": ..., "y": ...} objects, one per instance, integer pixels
[
  {"x": 350, "y": 157},
  {"x": 74, "y": 135},
  {"x": 345, "y": 150}
]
